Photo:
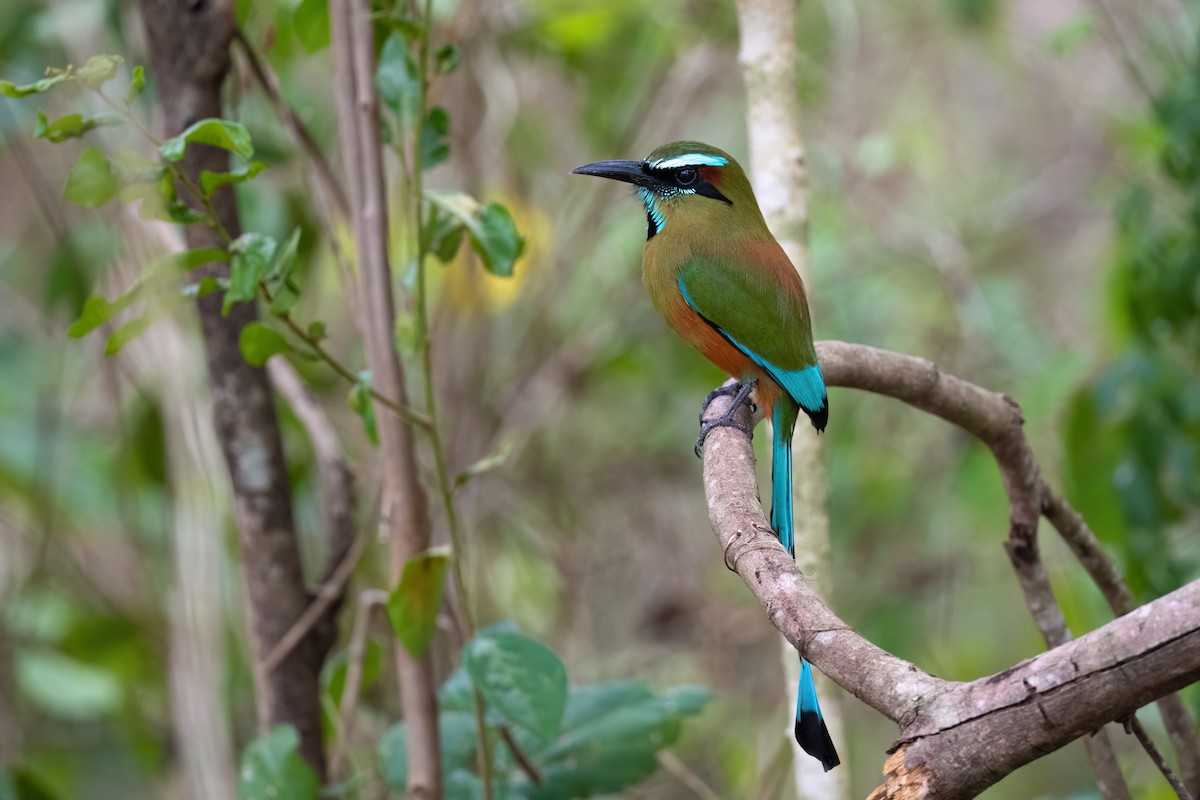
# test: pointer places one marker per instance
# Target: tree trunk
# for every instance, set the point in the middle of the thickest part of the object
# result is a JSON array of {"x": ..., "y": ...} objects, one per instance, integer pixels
[{"x": 189, "y": 55}]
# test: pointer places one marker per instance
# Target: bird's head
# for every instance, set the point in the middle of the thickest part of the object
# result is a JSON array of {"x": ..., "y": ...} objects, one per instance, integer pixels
[{"x": 688, "y": 181}]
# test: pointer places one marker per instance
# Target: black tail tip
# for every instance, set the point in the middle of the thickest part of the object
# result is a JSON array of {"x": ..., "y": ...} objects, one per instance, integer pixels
[
  {"x": 813, "y": 738},
  {"x": 820, "y": 417}
]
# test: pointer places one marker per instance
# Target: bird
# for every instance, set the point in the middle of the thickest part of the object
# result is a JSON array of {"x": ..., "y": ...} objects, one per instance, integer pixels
[{"x": 723, "y": 283}]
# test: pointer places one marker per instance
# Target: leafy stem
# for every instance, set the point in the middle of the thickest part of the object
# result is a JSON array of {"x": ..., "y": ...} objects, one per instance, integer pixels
[
  {"x": 213, "y": 219},
  {"x": 409, "y": 415},
  {"x": 416, "y": 194}
]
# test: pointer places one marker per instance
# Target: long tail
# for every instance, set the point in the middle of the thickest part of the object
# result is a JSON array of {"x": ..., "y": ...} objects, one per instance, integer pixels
[
  {"x": 811, "y": 733},
  {"x": 786, "y": 412},
  {"x": 810, "y": 728}
]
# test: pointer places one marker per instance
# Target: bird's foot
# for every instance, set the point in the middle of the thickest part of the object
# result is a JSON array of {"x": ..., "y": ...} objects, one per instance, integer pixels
[{"x": 741, "y": 394}]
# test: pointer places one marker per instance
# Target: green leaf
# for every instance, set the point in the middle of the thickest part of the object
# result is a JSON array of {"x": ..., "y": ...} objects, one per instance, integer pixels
[
  {"x": 10, "y": 89},
  {"x": 457, "y": 734},
  {"x": 434, "y": 147},
  {"x": 311, "y": 23},
  {"x": 156, "y": 196},
  {"x": 333, "y": 674},
  {"x": 316, "y": 331},
  {"x": 447, "y": 59},
  {"x": 272, "y": 769},
  {"x": 284, "y": 291},
  {"x": 63, "y": 687},
  {"x": 611, "y": 734},
  {"x": 498, "y": 245},
  {"x": 71, "y": 126},
  {"x": 222, "y": 133},
  {"x": 491, "y": 229},
  {"x": 398, "y": 80},
  {"x": 188, "y": 260},
  {"x": 21, "y": 784},
  {"x": 211, "y": 181},
  {"x": 406, "y": 334},
  {"x": 521, "y": 678},
  {"x": 285, "y": 260},
  {"x": 99, "y": 69},
  {"x": 253, "y": 254},
  {"x": 485, "y": 464},
  {"x": 137, "y": 83},
  {"x": 205, "y": 287},
  {"x": 415, "y": 602},
  {"x": 181, "y": 212},
  {"x": 258, "y": 343},
  {"x": 462, "y": 784},
  {"x": 126, "y": 333},
  {"x": 96, "y": 311},
  {"x": 411, "y": 29},
  {"x": 91, "y": 181},
  {"x": 442, "y": 235},
  {"x": 362, "y": 404}
]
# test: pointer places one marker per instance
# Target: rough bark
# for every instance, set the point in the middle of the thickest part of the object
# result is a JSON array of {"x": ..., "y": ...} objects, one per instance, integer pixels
[
  {"x": 1104, "y": 573},
  {"x": 189, "y": 56},
  {"x": 404, "y": 518},
  {"x": 955, "y": 738}
]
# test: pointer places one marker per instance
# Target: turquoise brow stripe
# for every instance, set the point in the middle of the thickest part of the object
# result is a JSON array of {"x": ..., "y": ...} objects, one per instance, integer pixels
[{"x": 689, "y": 160}]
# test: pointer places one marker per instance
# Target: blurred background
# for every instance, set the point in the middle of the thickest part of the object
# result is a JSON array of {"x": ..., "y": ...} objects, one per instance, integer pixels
[{"x": 1008, "y": 187}]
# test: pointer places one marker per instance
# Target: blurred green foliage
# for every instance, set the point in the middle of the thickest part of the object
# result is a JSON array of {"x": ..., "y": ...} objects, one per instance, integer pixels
[
  {"x": 966, "y": 161},
  {"x": 1134, "y": 429}
]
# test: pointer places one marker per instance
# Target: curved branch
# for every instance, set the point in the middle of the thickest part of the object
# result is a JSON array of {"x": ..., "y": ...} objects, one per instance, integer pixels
[
  {"x": 956, "y": 738},
  {"x": 995, "y": 419}
]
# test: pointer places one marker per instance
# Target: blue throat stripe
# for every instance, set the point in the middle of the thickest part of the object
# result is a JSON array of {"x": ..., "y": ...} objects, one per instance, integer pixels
[
  {"x": 689, "y": 160},
  {"x": 650, "y": 200}
]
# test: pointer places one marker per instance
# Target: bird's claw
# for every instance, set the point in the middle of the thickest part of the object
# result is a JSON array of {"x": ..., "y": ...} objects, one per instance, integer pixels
[
  {"x": 728, "y": 390},
  {"x": 741, "y": 394}
]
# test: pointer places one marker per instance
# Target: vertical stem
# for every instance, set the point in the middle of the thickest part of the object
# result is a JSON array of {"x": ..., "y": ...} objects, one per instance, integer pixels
[
  {"x": 778, "y": 171},
  {"x": 404, "y": 518},
  {"x": 445, "y": 487}
]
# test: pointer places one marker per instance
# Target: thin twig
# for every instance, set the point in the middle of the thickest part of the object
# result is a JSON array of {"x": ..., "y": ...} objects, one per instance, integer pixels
[
  {"x": 337, "y": 479},
  {"x": 291, "y": 120},
  {"x": 367, "y": 601},
  {"x": 1132, "y": 69},
  {"x": 523, "y": 761},
  {"x": 326, "y": 184},
  {"x": 668, "y": 761},
  {"x": 1133, "y": 725},
  {"x": 326, "y": 596},
  {"x": 402, "y": 410}
]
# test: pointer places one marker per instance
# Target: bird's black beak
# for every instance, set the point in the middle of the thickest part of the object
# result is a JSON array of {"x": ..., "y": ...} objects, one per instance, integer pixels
[{"x": 626, "y": 171}]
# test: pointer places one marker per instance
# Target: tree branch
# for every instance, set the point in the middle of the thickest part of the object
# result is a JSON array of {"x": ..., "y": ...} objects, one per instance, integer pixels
[
  {"x": 956, "y": 738},
  {"x": 337, "y": 479},
  {"x": 1083, "y": 543},
  {"x": 291, "y": 120},
  {"x": 997, "y": 421}
]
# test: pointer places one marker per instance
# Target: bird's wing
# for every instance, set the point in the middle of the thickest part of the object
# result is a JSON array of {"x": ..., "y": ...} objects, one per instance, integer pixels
[{"x": 763, "y": 314}]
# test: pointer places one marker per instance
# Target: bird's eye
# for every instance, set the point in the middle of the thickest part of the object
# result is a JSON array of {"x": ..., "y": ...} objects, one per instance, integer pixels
[{"x": 686, "y": 176}]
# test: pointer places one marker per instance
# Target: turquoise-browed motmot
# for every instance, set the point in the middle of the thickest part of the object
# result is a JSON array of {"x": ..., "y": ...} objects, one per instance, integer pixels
[{"x": 715, "y": 272}]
